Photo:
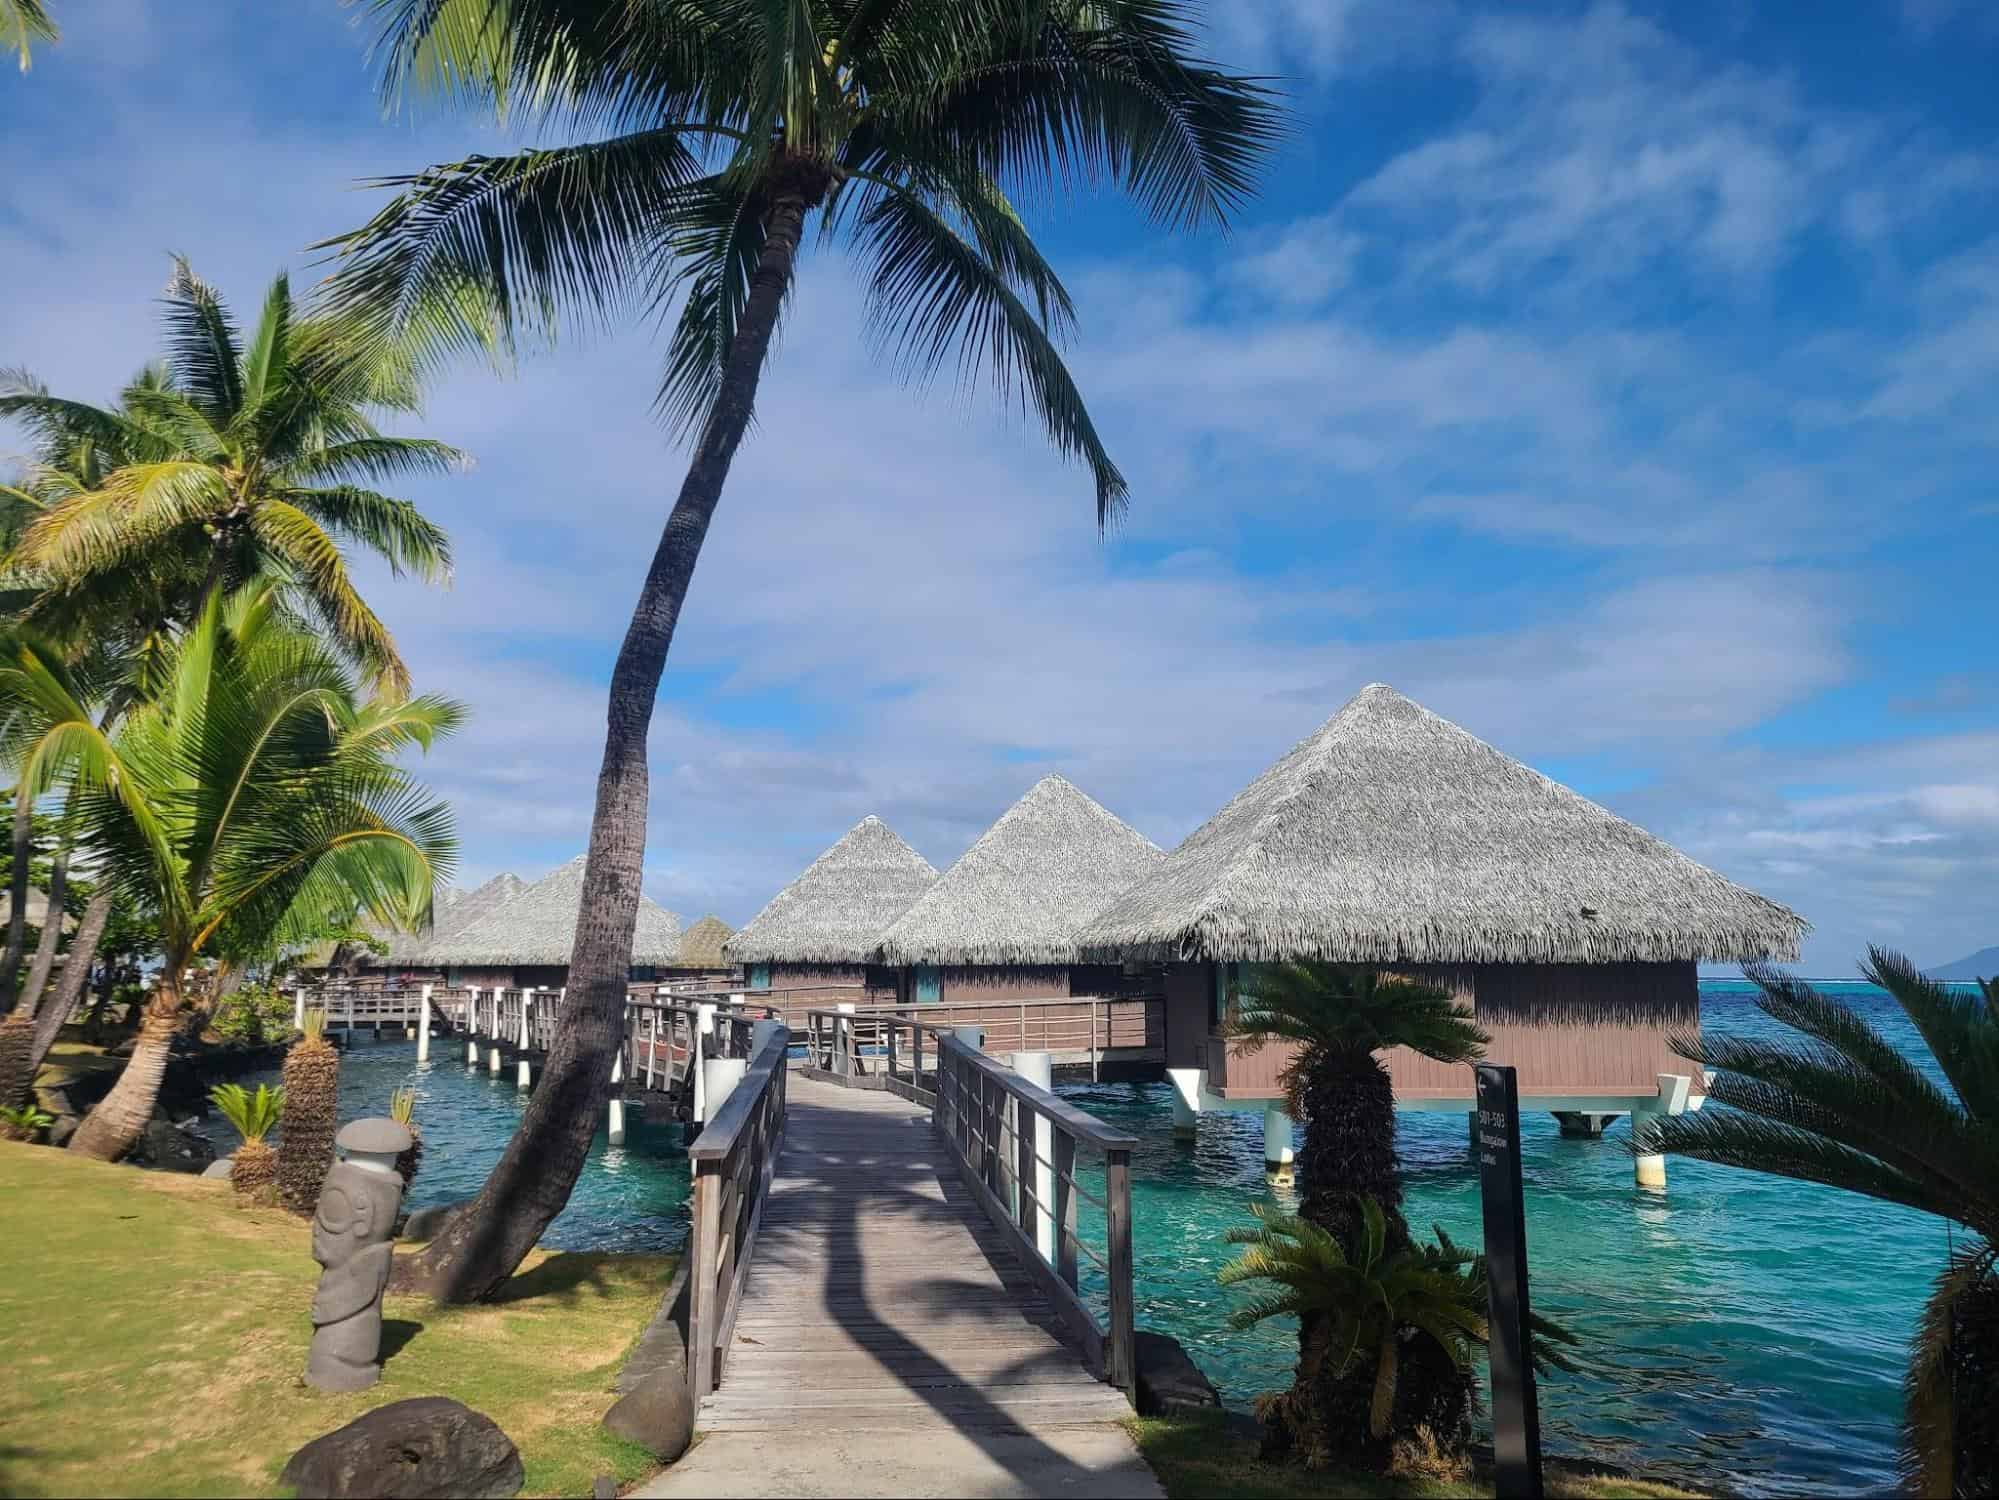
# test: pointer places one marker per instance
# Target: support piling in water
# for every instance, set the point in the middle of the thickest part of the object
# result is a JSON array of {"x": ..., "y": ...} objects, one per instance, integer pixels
[
  {"x": 523, "y": 1074},
  {"x": 617, "y": 1124},
  {"x": 472, "y": 1054},
  {"x": 1278, "y": 1154},
  {"x": 493, "y": 1061},
  {"x": 1186, "y": 1102},
  {"x": 423, "y": 1025}
]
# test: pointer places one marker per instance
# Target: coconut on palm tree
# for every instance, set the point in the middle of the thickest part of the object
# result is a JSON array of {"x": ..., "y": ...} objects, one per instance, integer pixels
[
  {"x": 256, "y": 795},
  {"x": 244, "y": 459},
  {"x": 312, "y": 1085},
  {"x": 709, "y": 136},
  {"x": 1839, "y": 1104},
  {"x": 253, "y": 1117}
]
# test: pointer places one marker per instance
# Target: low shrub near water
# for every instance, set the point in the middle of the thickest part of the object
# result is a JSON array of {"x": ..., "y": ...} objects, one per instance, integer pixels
[{"x": 255, "y": 1016}]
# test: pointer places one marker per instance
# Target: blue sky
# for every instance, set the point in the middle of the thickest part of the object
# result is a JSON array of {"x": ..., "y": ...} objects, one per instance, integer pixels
[{"x": 1617, "y": 380}]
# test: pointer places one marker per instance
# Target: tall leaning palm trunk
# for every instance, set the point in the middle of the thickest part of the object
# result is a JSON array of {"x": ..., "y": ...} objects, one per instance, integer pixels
[
  {"x": 56, "y": 1012},
  {"x": 894, "y": 121}
]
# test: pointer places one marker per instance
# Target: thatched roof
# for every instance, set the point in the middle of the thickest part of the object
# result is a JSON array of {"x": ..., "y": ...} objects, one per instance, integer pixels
[
  {"x": 538, "y": 925},
  {"x": 1032, "y": 881},
  {"x": 701, "y": 944},
  {"x": 838, "y": 909},
  {"x": 452, "y": 911},
  {"x": 1393, "y": 835}
]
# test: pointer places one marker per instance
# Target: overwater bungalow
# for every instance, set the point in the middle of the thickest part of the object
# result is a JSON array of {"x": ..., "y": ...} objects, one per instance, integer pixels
[
  {"x": 701, "y": 955},
  {"x": 525, "y": 939},
  {"x": 1392, "y": 837},
  {"x": 814, "y": 943},
  {"x": 1001, "y": 923}
]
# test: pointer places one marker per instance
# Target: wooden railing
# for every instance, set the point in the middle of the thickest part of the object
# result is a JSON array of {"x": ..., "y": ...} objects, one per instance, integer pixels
[
  {"x": 732, "y": 1163},
  {"x": 1017, "y": 1145},
  {"x": 1075, "y": 1029}
]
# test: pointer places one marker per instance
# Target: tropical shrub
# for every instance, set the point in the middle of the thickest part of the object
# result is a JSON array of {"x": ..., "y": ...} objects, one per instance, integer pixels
[
  {"x": 312, "y": 1115},
  {"x": 253, "y": 1116},
  {"x": 1838, "y": 1104},
  {"x": 23, "y": 1122},
  {"x": 402, "y": 1109},
  {"x": 253, "y": 1016}
]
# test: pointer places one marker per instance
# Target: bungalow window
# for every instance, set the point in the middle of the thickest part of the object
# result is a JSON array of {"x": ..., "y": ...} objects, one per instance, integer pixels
[
  {"x": 759, "y": 976},
  {"x": 929, "y": 984}
]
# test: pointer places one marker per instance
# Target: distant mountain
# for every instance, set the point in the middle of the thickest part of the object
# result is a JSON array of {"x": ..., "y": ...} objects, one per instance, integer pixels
[{"x": 1984, "y": 964}]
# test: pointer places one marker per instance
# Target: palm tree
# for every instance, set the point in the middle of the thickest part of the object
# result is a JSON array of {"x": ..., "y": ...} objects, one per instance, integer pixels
[
  {"x": 242, "y": 460},
  {"x": 1340, "y": 1018},
  {"x": 253, "y": 1116},
  {"x": 1403, "y": 1320},
  {"x": 907, "y": 130},
  {"x": 1842, "y": 1106},
  {"x": 252, "y": 795},
  {"x": 24, "y": 22}
]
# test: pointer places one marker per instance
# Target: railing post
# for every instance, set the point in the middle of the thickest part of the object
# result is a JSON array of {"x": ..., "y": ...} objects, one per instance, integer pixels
[
  {"x": 1065, "y": 1207},
  {"x": 1036, "y": 1150},
  {"x": 843, "y": 1040},
  {"x": 1117, "y": 1230},
  {"x": 704, "y": 1310}
]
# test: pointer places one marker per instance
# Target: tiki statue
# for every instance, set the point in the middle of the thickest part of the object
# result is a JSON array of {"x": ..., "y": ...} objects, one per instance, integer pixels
[{"x": 352, "y": 1238}]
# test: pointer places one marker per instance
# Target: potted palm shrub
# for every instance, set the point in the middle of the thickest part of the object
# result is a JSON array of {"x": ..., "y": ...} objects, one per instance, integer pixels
[
  {"x": 312, "y": 1114},
  {"x": 252, "y": 1116}
]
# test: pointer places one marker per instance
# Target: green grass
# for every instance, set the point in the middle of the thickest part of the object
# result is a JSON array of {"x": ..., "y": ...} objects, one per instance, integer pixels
[
  {"x": 152, "y": 1333},
  {"x": 1205, "y": 1459}
]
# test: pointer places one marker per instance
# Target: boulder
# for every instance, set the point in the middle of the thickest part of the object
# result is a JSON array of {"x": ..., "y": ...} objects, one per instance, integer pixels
[
  {"x": 63, "y": 1129},
  {"x": 603, "y": 1487},
  {"x": 426, "y": 1224},
  {"x": 409, "y": 1450},
  {"x": 1168, "y": 1381},
  {"x": 657, "y": 1414},
  {"x": 220, "y": 1168},
  {"x": 168, "y": 1147}
]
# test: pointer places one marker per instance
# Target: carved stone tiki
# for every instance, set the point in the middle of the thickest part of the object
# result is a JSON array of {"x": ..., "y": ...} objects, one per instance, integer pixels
[{"x": 351, "y": 1238}]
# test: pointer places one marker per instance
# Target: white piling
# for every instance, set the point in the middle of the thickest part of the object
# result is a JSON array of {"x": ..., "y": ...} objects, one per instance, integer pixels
[
  {"x": 527, "y": 1014},
  {"x": 523, "y": 1075},
  {"x": 472, "y": 1011},
  {"x": 1039, "y": 1068},
  {"x": 423, "y": 1025},
  {"x": 719, "y": 1077},
  {"x": 298, "y": 1008},
  {"x": 472, "y": 1052},
  {"x": 617, "y": 1127},
  {"x": 493, "y": 1060},
  {"x": 1277, "y": 1151},
  {"x": 1649, "y": 1167},
  {"x": 1186, "y": 1102}
]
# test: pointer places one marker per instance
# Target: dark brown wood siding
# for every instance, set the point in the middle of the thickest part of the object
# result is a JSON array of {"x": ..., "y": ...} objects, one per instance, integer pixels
[
  {"x": 1570, "y": 1029},
  {"x": 983, "y": 984}
]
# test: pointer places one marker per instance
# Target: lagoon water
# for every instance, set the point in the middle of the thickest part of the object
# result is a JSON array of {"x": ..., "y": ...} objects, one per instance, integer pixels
[{"x": 1742, "y": 1332}]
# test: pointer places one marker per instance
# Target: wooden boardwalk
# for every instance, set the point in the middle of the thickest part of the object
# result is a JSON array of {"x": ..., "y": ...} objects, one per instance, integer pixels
[{"x": 880, "y": 1298}]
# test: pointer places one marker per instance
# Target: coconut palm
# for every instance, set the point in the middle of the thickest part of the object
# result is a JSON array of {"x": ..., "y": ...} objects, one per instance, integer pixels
[
  {"x": 242, "y": 460},
  {"x": 22, "y": 23},
  {"x": 254, "y": 795},
  {"x": 253, "y": 1116},
  {"x": 312, "y": 1083},
  {"x": 906, "y": 131},
  {"x": 1340, "y": 1018},
  {"x": 1405, "y": 1320},
  {"x": 1840, "y": 1105}
]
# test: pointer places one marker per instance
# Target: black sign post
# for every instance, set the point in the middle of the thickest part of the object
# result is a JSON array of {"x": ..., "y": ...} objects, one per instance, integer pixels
[{"x": 1516, "y": 1414}]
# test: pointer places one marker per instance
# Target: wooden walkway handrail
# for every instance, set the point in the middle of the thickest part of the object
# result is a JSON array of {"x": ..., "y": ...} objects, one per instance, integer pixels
[{"x": 732, "y": 1162}]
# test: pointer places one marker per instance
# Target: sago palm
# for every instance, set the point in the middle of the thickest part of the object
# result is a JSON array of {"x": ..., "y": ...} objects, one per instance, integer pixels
[
  {"x": 312, "y": 1084},
  {"x": 708, "y": 136},
  {"x": 247, "y": 459},
  {"x": 255, "y": 794},
  {"x": 1840, "y": 1105},
  {"x": 1340, "y": 1018},
  {"x": 253, "y": 1116}
]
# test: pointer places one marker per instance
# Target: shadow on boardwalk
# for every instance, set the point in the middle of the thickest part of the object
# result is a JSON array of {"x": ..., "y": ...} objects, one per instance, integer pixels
[{"x": 888, "y": 1343}]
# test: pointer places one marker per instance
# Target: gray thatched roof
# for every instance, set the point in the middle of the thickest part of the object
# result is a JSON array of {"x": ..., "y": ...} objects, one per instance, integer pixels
[
  {"x": 838, "y": 909},
  {"x": 1023, "y": 891},
  {"x": 1393, "y": 835},
  {"x": 538, "y": 925},
  {"x": 452, "y": 911},
  {"x": 701, "y": 944}
]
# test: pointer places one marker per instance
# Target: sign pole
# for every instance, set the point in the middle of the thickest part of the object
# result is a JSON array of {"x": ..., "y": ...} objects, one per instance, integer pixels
[{"x": 1516, "y": 1415}]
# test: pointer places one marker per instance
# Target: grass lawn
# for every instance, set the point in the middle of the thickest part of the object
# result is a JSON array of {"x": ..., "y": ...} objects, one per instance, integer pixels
[
  {"x": 152, "y": 1334},
  {"x": 1204, "y": 1459}
]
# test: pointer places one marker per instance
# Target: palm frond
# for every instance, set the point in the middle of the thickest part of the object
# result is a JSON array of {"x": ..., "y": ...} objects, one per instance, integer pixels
[
  {"x": 394, "y": 530},
  {"x": 204, "y": 351},
  {"x": 22, "y": 23}
]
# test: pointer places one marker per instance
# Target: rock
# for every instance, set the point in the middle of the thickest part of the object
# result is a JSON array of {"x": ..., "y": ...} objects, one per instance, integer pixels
[
  {"x": 603, "y": 1487},
  {"x": 63, "y": 1129},
  {"x": 167, "y": 1147},
  {"x": 221, "y": 1168},
  {"x": 426, "y": 1224},
  {"x": 409, "y": 1450},
  {"x": 1168, "y": 1381},
  {"x": 657, "y": 1414}
]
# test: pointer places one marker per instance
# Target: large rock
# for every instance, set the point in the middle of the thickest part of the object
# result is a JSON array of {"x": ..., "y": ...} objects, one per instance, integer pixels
[
  {"x": 220, "y": 1168},
  {"x": 657, "y": 1414},
  {"x": 1168, "y": 1381},
  {"x": 426, "y": 1224},
  {"x": 168, "y": 1147},
  {"x": 409, "y": 1450}
]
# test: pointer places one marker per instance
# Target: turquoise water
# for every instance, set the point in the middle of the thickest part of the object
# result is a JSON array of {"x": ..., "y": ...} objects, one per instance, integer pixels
[{"x": 1742, "y": 1331}]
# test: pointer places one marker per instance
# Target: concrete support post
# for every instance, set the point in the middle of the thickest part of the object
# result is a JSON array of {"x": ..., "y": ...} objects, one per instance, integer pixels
[
  {"x": 298, "y": 1007},
  {"x": 617, "y": 1124},
  {"x": 719, "y": 1077},
  {"x": 1277, "y": 1152},
  {"x": 527, "y": 1018},
  {"x": 472, "y": 1052},
  {"x": 1186, "y": 1102},
  {"x": 423, "y": 1025},
  {"x": 1649, "y": 1167},
  {"x": 1039, "y": 1068},
  {"x": 843, "y": 1039},
  {"x": 472, "y": 1011},
  {"x": 493, "y": 1060},
  {"x": 523, "y": 1073}
]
